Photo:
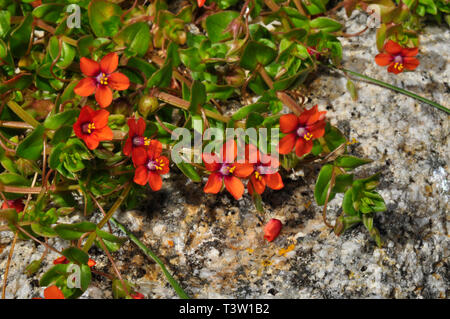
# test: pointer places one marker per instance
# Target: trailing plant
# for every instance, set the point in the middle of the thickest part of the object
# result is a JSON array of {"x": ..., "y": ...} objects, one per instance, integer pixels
[{"x": 92, "y": 103}]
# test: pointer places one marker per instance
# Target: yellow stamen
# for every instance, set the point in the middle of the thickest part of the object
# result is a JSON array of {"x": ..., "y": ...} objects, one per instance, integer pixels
[
  {"x": 308, "y": 136},
  {"x": 398, "y": 66},
  {"x": 104, "y": 79},
  {"x": 91, "y": 127},
  {"x": 231, "y": 169},
  {"x": 146, "y": 141},
  {"x": 258, "y": 176}
]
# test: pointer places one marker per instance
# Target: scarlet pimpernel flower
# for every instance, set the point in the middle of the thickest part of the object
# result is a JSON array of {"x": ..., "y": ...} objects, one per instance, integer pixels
[
  {"x": 301, "y": 131},
  {"x": 224, "y": 170},
  {"x": 398, "y": 58},
  {"x": 150, "y": 168},
  {"x": 136, "y": 143},
  {"x": 137, "y": 295},
  {"x": 265, "y": 171},
  {"x": 200, "y": 3},
  {"x": 17, "y": 204},
  {"x": 101, "y": 78},
  {"x": 52, "y": 292},
  {"x": 272, "y": 229},
  {"x": 92, "y": 127}
]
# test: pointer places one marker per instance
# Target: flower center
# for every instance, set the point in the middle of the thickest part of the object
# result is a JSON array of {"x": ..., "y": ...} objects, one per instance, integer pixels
[
  {"x": 140, "y": 141},
  {"x": 155, "y": 165},
  {"x": 87, "y": 128},
  {"x": 226, "y": 169},
  {"x": 398, "y": 63},
  {"x": 303, "y": 132},
  {"x": 102, "y": 78}
]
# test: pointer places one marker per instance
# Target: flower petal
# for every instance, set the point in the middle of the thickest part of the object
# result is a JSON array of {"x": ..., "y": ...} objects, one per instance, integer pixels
[
  {"x": 411, "y": 63},
  {"x": 211, "y": 162},
  {"x": 259, "y": 185},
  {"x": 139, "y": 155},
  {"x": 103, "y": 96},
  {"x": 103, "y": 134},
  {"x": 392, "y": 47},
  {"x": 234, "y": 186},
  {"x": 214, "y": 184},
  {"x": 306, "y": 114},
  {"x": 91, "y": 141},
  {"x": 109, "y": 63},
  {"x": 85, "y": 87},
  {"x": 163, "y": 162},
  {"x": 243, "y": 170},
  {"x": 141, "y": 175},
  {"x": 128, "y": 147},
  {"x": 155, "y": 181},
  {"x": 303, "y": 147},
  {"x": 154, "y": 149},
  {"x": 287, "y": 143},
  {"x": 393, "y": 69},
  {"x": 274, "y": 181},
  {"x": 229, "y": 151},
  {"x": 409, "y": 52},
  {"x": 89, "y": 67},
  {"x": 288, "y": 123},
  {"x": 140, "y": 127},
  {"x": 53, "y": 292},
  {"x": 100, "y": 118},
  {"x": 118, "y": 81},
  {"x": 383, "y": 59}
]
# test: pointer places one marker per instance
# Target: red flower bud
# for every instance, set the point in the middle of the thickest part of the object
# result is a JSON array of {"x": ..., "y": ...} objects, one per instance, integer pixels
[
  {"x": 137, "y": 295},
  {"x": 272, "y": 229}
]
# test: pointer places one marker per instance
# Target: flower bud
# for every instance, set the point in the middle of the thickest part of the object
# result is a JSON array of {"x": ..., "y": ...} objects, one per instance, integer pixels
[
  {"x": 147, "y": 105},
  {"x": 272, "y": 229},
  {"x": 121, "y": 106},
  {"x": 236, "y": 78}
]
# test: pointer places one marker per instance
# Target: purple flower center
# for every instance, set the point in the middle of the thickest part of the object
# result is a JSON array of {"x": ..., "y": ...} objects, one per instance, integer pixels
[
  {"x": 138, "y": 141},
  {"x": 151, "y": 165},
  {"x": 226, "y": 169},
  {"x": 301, "y": 131},
  {"x": 87, "y": 128},
  {"x": 102, "y": 78},
  {"x": 398, "y": 59}
]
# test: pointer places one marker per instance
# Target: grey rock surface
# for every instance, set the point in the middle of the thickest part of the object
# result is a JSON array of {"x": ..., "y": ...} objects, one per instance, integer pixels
[{"x": 214, "y": 245}]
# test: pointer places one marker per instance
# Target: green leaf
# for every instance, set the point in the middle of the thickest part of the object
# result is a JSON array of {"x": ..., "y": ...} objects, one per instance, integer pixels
[
  {"x": 62, "y": 134},
  {"x": 198, "y": 96},
  {"x": 53, "y": 274},
  {"x": 162, "y": 77},
  {"x": 257, "y": 53},
  {"x": 42, "y": 230},
  {"x": 351, "y": 88},
  {"x": 325, "y": 24},
  {"x": 10, "y": 215},
  {"x": 254, "y": 120},
  {"x": 101, "y": 15},
  {"x": 86, "y": 277},
  {"x": 74, "y": 231},
  {"x": 20, "y": 37},
  {"x": 110, "y": 237},
  {"x": 189, "y": 170},
  {"x": 49, "y": 12},
  {"x": 67, "y": 55},
  {"x": 333, "y": 137},
  {"x": 76, "y": 255},
  {"x": 217, "y": 23},
  {"x": 244, "y": 111},
  {"x": 68, "y": 117},
  {"x": 31, "y": 147},
  {"x": 136, "y": 38},
  {"x": 322, "y": 184},
  {"x": 33, "y": 267},
  {"x": 347, "y": 161},
  {"x": 5, "y": 22},
  {"x": 347, "y": 203}
]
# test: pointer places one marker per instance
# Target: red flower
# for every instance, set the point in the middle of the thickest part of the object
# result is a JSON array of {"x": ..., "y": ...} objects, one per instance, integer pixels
[
  {"x": 200, "y": 3},
  {"x": 17, "y": 204},
  {"x": 301, "y": 131},
  {"x": 64, "y": 260},
  {"x": 272, "y": 229},
  {"x": 137, "y": 295},
  {"x": 265, "y": 171},
  {"x": 53, "y": 292},
  {"x": 223, "y": 169},
  {"x": 136, "y": 142},
  {"x": 398, "y": 58},
  {"x": 150, "y": 168},
  {"x": 101, "y": 79},
  {"x": 92, "y": 127}
]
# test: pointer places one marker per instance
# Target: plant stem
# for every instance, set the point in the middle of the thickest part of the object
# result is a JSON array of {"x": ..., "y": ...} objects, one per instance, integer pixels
[
  {"x": 108, "y": 216},
  {"x": 395, "y": 88},
  {"x": 150, "y": 254}
]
